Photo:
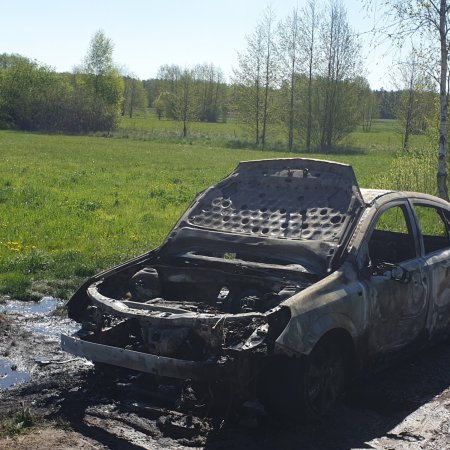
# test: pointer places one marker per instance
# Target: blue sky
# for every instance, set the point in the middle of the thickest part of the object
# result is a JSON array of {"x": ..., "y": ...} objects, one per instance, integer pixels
[{"x": 147, "y": 34}]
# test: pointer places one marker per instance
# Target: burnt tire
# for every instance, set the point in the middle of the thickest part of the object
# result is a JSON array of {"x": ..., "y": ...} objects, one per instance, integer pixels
[
  {"x": 305, "y": 387},
  {"x": 323, "y": 378}
]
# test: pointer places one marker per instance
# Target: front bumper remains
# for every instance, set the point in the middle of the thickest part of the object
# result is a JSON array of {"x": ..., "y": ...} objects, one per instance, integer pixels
[{"x": 221, "y": 370}]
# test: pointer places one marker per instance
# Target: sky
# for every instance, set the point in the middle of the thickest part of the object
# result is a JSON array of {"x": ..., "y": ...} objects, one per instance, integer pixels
[{"x": 149, "y": 33}]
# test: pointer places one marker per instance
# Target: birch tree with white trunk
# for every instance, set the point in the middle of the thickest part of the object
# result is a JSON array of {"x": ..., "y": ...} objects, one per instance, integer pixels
[{"x": 428, "y": 20}]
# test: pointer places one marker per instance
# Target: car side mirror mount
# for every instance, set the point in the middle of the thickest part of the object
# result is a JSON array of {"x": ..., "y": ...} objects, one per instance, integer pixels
[
  {"x": 401, "y": 275},
  {"x": 394, "y": 271}
]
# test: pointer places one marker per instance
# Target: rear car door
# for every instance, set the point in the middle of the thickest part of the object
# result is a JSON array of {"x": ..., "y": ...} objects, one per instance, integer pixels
[{"x": 434, "y": 222}]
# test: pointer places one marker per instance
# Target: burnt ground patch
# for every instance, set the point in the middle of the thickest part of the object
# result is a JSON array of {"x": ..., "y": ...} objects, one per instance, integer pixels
[{"x": 406, "y": 406}]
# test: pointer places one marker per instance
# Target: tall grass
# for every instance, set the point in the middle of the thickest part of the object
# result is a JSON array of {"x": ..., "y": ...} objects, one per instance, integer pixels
[{"x": 412, "y": 171}]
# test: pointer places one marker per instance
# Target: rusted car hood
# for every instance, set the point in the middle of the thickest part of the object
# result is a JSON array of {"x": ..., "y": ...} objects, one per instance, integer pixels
[{"x": 301, "y": 208}]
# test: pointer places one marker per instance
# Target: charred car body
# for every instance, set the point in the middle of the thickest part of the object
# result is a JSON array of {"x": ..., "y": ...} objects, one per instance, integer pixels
[{"x": 284, "y": 276}]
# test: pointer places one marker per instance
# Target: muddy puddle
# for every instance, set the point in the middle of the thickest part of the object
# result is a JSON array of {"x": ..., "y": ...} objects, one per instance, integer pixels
[
  {"x": 41, "y": 317},
  {"x": 44, "y": 306},
  {"x": 45, "y": 320},
  {"x": 9, "y": 375}
]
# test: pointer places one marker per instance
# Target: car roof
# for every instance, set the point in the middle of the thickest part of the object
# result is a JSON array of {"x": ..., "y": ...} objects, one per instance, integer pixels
[{"x": 371, "y": 195}]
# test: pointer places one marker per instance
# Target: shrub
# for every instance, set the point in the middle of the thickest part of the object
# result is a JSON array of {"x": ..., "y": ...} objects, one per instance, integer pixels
[{"x": 411, "y": 171}]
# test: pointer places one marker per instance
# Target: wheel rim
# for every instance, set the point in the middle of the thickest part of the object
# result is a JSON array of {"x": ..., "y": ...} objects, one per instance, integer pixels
[{"x": 324, "y": 378}]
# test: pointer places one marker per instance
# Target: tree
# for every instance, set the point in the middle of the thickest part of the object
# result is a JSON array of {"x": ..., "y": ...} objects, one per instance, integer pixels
[
  {"x": 134, "y": 96},
  {"x": 180, "y": 99},
  {"x": 8, "y": 60},
  {"x": 248, "y": 80},
  {"x": 101, "y": 83},
  {"x": 310, "y": 22},
  {"x": 206, "y": 96},
  {"x": 415, "y": 107},
  {"x": 290, "y": 45},
  {"x": 367, "y": 104},
  {"x": 170, "y": 76},
  {"x": 153, "y": 89},
  {"x": 410, "y": 80},
  {"x": 99, "y": 60},
  {"x": 165, "y": 105},
  {"x": 428, "y": 20},
  {"x": 387, "y": 102},
  {"x": 32, "y": 96},
  {"x": 256, "y": 77},
  {"x": 211, "y": 89},
  {"x": 269, "y": 66},
  {"x": 340, "y": 53},
  {"x": 186, "y": 108}
]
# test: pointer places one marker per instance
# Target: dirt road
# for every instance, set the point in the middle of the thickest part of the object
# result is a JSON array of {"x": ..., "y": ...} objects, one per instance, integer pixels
[{"x": 74, "y": 406}]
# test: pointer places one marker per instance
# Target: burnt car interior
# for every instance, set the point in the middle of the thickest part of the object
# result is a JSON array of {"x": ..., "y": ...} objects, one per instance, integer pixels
[
  {"x": 392, "y": 247},
  {"x": 392, "y": 241}
]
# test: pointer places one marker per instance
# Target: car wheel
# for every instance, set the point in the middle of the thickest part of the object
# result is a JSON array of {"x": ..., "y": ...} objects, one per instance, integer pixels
[
  {"x": 305, "y": 387},
  {"x": 323, "y": 378}
]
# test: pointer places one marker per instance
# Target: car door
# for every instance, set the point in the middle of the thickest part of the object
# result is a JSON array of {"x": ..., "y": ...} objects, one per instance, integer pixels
[
  {"x": 434, "y": 222},
  {"x": 397, "y": 285}
]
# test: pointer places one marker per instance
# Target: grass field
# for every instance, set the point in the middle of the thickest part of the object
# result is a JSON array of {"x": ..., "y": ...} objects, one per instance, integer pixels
[
  {"x": 386, "y": 135},
  {"x": 73, "y": 205}
]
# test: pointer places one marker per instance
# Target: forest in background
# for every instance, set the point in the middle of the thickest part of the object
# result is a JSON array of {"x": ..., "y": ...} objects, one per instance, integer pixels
[{"x": 300, "y": 75}]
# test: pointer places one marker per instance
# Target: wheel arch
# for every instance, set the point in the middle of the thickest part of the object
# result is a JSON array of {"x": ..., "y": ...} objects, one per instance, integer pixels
[
  {"x": 345, "y": 342},
  {"x": 302, "y": 334}
]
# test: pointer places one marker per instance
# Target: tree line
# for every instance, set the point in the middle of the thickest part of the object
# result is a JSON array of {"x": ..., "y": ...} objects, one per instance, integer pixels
[{"x": 301, "y": 74}]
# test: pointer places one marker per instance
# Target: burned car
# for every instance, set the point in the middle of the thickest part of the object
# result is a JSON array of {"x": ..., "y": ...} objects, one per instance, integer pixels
[{"x": 285, "y": 279}]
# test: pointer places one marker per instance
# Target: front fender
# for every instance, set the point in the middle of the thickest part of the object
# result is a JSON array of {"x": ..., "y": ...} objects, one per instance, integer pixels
[
  {"x": 287, "y": 342},
  {"x": 336, "y": 302}
]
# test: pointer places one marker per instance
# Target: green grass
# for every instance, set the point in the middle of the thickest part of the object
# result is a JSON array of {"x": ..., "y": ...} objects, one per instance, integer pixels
[
  {"x": 22, "y": 421},
  {"x": 145, "y": 125},
  {"x": 385, "y": 135},
  {"x": 72, "y": 205}
]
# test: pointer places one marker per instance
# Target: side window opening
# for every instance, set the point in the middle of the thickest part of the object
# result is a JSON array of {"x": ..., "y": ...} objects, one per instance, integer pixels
[
  {"x": 434, "y": 225},
  {"x": 392, "y": 241}
]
